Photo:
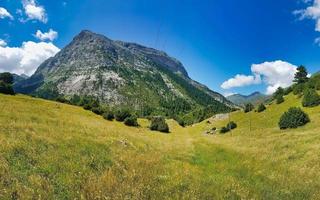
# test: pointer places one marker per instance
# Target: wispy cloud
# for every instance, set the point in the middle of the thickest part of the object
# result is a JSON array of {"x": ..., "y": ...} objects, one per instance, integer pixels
[
  {"x": 5, "y": 14},
  {"x": 34, "y": 11},
  {"x": 50, "y": 35}
]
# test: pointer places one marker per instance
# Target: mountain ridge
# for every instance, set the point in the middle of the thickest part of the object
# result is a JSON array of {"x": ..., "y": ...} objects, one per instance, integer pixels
[{"x": 122, "y": 74}]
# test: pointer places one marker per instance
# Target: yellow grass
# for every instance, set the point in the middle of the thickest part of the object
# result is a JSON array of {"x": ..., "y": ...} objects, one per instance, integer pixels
[{"x": 50, "y": 150}]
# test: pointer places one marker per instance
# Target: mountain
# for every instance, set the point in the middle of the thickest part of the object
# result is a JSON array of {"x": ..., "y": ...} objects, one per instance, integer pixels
[
  {"x": 18, "y": 78},
  {"x": 123, "y": 74},
  {"x": 254, "y": 98}
]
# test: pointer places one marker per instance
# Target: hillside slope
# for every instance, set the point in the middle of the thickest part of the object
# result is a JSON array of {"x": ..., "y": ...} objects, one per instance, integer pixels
[
  {"x": 121, "y": 74},
  {"x": 50, "y": 150}
]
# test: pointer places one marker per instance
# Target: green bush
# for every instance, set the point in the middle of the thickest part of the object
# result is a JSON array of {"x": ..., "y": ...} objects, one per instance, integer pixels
[
  {"x": 248, "y": 107},
  {"x": 131, "y": 121},
  {"x": 261, "y": 108},
  {"x": 293, "y": 118},
  {"x": 159, "y": 124},
  {"x": 6, "y": 77},
  {"x": 108, "y": 116},
  {"x": 231, "y": 125},
  {"x": 310, "y": 98},
  {"x": 87, "y": 106},
  {"x": 224, "y": 130},
  {"x": 122, "y": 114},
  {"x": 288, "y": 90},
  {"x": 298, "y": 88},
  {"x": 279, "y": 99},
  {"x": 97, "y": 110}
]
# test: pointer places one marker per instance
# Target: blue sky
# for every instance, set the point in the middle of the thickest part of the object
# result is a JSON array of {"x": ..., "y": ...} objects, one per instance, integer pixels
[{"x": 215, "y": 40}]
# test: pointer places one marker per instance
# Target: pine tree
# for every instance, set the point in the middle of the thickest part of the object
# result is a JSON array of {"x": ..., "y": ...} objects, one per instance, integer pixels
[{"x": 301, "y": 76}]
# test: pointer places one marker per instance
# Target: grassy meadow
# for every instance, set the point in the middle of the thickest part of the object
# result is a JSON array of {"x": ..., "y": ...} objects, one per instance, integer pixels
[{"x": 50, "y": 150}]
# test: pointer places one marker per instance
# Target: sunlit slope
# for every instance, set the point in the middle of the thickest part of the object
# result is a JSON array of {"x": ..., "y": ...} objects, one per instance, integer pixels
[{"x": 50, "y": 150}]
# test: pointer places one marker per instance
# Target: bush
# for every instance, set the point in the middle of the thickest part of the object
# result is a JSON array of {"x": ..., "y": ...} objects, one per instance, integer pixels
[
  {"x": 108, "y": 116},
  {"x": 6, "y": 88},
  {"x": 279, "y": 99},
  {"x": 97, "y": 110},
  {"x": 293, "y": 118},
  {"x": 231, "y": 125},
  {"x": 7, "y": 78},
  {"x": 310, "y": 98},
  {"x": 87, "y": 106},
  {"x": 159, "y": 124},
  {"x": 288, "y": 90},
  {"x": 121, "y": 115},
  {"x": 248, "y": 107},
  {"x": 261, "y": 108},
  {"x": 298, "y": 88},
  {"x": 61, "y": 99},
  {"x": 224, "y": 130},
  {"x": 131, "y": 121}
]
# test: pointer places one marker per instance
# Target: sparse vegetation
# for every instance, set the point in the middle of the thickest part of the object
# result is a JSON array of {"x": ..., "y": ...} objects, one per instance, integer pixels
[{"x": 293, "y": 118}]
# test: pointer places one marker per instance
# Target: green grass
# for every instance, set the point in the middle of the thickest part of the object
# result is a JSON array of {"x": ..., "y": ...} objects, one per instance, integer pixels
[{"x": 50, "y": 150}]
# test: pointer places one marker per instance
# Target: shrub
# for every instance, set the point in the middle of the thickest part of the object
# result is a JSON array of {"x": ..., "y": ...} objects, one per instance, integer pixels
[
  {"x": 61, "y": 99},
  {"x": 231, "y": 125},
  {"x": 293, "y": 118},
  {"x": 122, "y": 114},
  {"x": 108, "y": 116},
  {"x": 261, "y": 108},
  {"x": 311, "y": 98},
  {"x": 87, "y": 106},
  {"x": 248, "y": 107},
  {"x": 298, "y": 88},
  {"x": 97, "y": 110},
  {"x": 159, "y": 124},
  {"x": 131, "y": 121},
  {"x": 288, "y": 90},
  {"x": 224, "y": 130},
  {"x": 279, "y": 99}
]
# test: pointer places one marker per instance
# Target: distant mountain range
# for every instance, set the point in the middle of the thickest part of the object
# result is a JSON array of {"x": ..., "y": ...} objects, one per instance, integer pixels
[
  {"x": 254, "y": 98},
  {"x": 122, "y": 74}
]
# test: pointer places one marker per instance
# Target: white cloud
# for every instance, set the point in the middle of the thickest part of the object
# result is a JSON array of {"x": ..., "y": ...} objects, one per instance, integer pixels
[
  {"x": 3, "y": 43},
  {"x": 227, "y": 94},
  {"x": 311, "y": 12},
  {"x": 4, "y": 14},
  {"x": 34, "y": 11},
  {"x": 273, "y": 74},
  {"x": 51, "y": 35},
  {"x": 241, "y": 80},
  {"x": 25, "y": 59}
]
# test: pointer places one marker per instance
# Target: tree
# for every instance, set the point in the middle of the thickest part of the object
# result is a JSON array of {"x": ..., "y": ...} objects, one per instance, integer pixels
[
  {"x": 248, "y": 107},
  {"x": 301, "y": 75},
  {"x": 278, "y": 95},
  {"x": 310, "y": 98},
  {"x": 293, "y": 118},
  {"x": 6, "y": 77},
  {"x": 6, "y": 81},
  {"x": 261, "y": 107}
]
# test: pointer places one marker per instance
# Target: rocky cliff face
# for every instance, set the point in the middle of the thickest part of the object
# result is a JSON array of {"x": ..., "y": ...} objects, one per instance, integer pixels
[{"x": 119, "y": 73}]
